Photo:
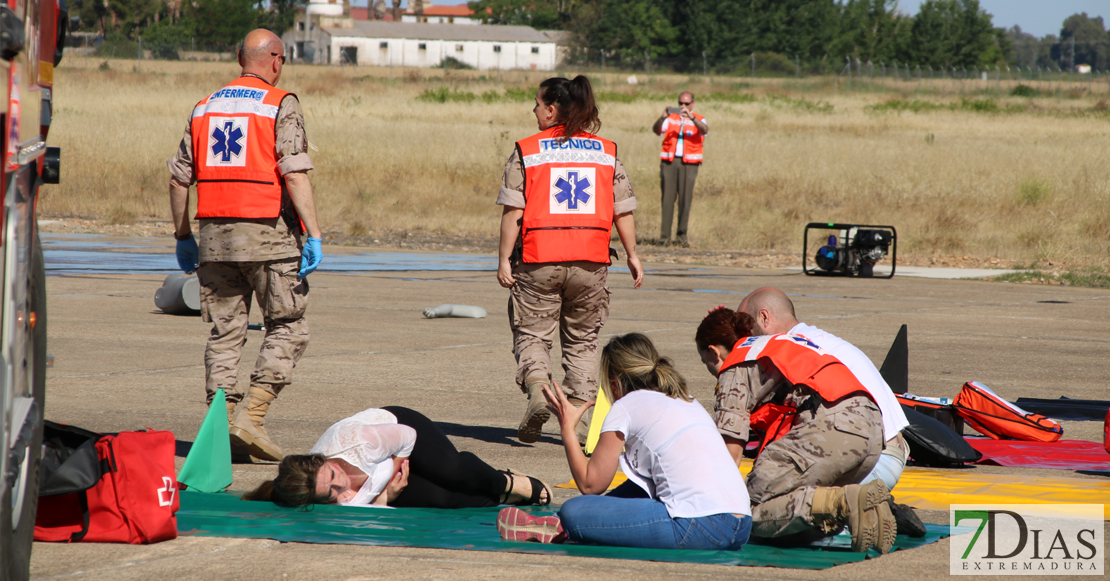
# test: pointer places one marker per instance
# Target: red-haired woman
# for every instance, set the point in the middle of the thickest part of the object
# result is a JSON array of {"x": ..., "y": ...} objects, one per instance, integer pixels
[
  {"x": 563, "y": 190},
  {"x": 823, "y": 434}
]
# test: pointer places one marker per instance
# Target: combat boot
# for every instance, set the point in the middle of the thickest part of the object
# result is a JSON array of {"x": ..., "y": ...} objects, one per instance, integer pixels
[
  {"x": 230, "y": 412},
  {"x": 537, "y": 414},
  {"x": 239, "y": 454},
  {"x": 908, "y": 521},
  {"x": 247, "y": 428},
  {"x": 861, "y": 506}
]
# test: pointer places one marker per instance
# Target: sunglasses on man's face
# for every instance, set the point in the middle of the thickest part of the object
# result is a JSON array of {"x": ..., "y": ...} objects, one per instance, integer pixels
[
  {"x": 280, "y": 56},
  {"x": 685, "y": 103}
]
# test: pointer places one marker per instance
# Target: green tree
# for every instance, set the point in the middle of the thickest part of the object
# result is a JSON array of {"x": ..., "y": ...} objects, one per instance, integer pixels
[
  {"x": 277, "y": 15},
  {"x": 790, "y": 27},
  {"x": 626, "y": 30},
  {"x": 952, "y": 33},
  {"x": 92, "y": 15},
  {"x": 221, "y": 23},
  {"x": 1025, "y": 47},
  {"x": 1084, "y": 40},
  {"x": 870, "y": 30},
  {"x": 539, "y": 14},
  {"x": 131, "y": 15}
]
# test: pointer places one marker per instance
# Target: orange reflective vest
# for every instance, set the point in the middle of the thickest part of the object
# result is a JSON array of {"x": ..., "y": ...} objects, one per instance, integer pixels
[
  {"x": 692, "y": 139},
  {"x": 234, "y": 137},
  {"x": 801, "y": 362},
  {"x": 568, "y": 197}
]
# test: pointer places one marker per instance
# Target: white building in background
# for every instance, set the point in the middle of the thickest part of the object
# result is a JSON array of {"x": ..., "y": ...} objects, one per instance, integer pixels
[
  {"x": 438, "y": 14},
  {"x": 330, "y": 40}
]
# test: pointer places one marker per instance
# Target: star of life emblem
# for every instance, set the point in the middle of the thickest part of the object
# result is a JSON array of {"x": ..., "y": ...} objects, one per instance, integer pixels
[
  {"x": 227, "y": 141},
  {"x": 572, "y": 190}
]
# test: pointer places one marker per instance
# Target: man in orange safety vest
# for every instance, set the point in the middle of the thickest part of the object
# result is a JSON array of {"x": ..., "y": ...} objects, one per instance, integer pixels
[
  {"x": 683, "y": 134},
  {"x": 245, "y": 148}
]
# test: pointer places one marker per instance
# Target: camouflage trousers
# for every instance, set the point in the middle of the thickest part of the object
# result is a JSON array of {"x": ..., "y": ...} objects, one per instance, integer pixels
[
  {"x": 226, "y": 292},
  {"x": 836, "y": 445},
  {"x": 570, "y": 299}
]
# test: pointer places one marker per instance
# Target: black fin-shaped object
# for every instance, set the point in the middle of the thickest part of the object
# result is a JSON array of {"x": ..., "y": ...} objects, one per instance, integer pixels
[{"x": 896, "y": 368}]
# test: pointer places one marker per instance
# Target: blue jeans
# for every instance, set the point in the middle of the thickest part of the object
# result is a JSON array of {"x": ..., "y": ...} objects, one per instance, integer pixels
[{"x": 645, "y": 523}]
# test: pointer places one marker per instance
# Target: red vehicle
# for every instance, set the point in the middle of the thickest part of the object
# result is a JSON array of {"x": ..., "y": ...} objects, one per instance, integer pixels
[{"x": 32, "y": 34}]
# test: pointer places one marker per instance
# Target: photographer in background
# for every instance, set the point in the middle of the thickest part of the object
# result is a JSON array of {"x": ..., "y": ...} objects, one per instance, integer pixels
[{"x": 683, "y": 134}]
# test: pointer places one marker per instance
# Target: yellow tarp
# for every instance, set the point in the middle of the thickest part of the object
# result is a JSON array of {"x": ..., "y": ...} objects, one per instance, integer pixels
[
  {"x": 601, "y": 409},
  {"x": 930, "y": 489}
]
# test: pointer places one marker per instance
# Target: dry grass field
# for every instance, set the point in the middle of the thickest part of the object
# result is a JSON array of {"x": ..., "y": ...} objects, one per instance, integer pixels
[{"x": 1019, "y": 179}]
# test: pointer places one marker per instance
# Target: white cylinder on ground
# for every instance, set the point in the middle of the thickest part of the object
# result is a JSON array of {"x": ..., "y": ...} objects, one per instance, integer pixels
[
  {"x": 457, "y": 311},
  {"x": 179, "y": 295}
]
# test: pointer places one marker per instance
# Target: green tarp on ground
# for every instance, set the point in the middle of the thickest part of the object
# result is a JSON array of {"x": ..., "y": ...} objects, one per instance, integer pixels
[{"x": 474, "y": 529}]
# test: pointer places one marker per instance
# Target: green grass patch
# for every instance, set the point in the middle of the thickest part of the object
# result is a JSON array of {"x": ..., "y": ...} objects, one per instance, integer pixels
[
  {"x": 1091, "y": 277},
  {"x": 900, "y": 105},
  {"x": 721, "y": 97},
  {"x": 1032, "y": 191},
  {"x": 446, "y": 95},
  {"x": 1024, "y": 91},
  {"x": 618, "y": 97},
  {"x": 976, "y": 106},
  {"x": 800, "y": 104},
  {"x": 453, "y": 95},
  {"x": 987, "y": 105},
  {"x": 520, "y": 95}
]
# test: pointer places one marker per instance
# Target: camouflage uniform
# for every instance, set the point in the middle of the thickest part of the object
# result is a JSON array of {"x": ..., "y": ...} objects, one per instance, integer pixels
[
  {"x": 242, "y": 259},
  {"x": 572, "y": 297},
  {"x": 832, "y": 444}
]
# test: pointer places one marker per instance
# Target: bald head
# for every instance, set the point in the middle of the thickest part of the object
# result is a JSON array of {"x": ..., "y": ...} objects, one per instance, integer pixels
[
  {"x": 259, "y": 54},
  {"x": 772, "y": 310},
  {"x": 687, "y": 96}
]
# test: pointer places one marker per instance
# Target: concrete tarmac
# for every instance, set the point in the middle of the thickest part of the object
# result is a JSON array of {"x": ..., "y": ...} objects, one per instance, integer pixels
[{"x": 123, "y": 365}]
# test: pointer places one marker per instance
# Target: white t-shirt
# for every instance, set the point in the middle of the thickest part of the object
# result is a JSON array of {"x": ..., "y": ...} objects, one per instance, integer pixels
[
  {"x": 894, "y": 419},
  {"x": 368, "y": 441},
  {"x": 673, "y": 451}
]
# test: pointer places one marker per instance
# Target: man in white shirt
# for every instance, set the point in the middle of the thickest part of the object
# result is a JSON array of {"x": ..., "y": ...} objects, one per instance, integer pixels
[{"x": 774, "y": 313}]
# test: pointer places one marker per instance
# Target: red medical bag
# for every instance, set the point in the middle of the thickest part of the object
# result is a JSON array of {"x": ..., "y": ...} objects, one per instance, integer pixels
[
  {"x": 126, "y": 494},
  {"x": 1106, "y": 432},
  {"x": 993, "y": 416}
]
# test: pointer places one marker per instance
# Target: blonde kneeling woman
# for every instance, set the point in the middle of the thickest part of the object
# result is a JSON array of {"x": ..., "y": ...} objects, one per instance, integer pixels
[{"x": 683, "y": 490}]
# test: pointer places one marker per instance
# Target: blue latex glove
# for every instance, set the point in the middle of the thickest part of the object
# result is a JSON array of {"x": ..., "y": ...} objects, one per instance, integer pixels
[
  {"x": 310, "y": 257},
  {"x": 188, "y": 254}
]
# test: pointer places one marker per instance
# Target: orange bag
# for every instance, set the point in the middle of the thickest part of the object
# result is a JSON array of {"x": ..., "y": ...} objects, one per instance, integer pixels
[{"x": 999, "y": 419}]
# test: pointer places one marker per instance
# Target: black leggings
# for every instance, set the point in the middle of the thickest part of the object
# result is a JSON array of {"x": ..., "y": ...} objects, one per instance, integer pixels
[{"x": 439, "y": 475}]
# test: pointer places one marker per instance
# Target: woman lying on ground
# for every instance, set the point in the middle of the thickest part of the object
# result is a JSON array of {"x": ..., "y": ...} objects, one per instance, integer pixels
[
  {"x": 397, "y": 457},
  {"x": 683, "y": 491},
  {"x": 824, "y": 434}
]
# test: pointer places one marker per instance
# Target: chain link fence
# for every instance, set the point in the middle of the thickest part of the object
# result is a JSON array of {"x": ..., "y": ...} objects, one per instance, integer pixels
[{"x": 849, "y": 75}]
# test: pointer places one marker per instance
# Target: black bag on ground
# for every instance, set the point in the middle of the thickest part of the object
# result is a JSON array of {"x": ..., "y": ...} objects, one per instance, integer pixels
[
  {"x": 934, "y": 444},
  {"x": 70, "y": 462}
]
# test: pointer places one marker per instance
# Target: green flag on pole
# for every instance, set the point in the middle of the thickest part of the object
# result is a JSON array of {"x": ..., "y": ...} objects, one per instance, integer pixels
[{"x": 208, "y": 466}]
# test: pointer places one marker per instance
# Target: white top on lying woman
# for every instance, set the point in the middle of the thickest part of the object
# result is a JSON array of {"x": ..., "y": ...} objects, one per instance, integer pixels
[
  {"x": 683, "y": 490},
  {"x": 394, "y": 456},
  {"x": 368, "y": 440}
]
